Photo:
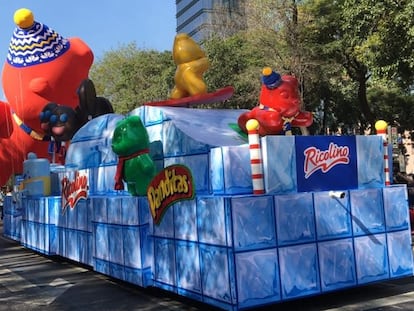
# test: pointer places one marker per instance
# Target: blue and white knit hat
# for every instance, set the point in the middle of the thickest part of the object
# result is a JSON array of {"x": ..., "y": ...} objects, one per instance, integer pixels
[
  {"x": 33, "y": 43},
  {"x": 271, "y": 78}
]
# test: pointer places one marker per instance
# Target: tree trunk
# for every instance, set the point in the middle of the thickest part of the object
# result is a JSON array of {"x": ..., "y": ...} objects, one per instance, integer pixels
[{"x": 363, "y": 101}]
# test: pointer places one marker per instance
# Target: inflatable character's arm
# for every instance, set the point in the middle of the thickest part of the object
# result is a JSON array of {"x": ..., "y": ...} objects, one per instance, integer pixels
[
  {"x": 40, "y": 86},
  {"x": 91, "y": 106},
  {"x": 6, "y": 122},
  {"x": 81, "y": 48}
]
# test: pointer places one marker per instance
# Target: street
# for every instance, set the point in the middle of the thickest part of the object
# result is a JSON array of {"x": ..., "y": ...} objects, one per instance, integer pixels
[{"x": 30, "y": 281}]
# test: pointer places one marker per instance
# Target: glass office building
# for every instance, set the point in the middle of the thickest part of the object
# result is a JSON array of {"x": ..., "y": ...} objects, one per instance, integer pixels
[{"x": 201, "y": 18}]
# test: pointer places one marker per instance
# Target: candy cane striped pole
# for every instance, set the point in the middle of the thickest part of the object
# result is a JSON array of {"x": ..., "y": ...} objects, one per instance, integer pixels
[
  {"x": 255, "y": 156},
  {"x": 381, "y": 127}
]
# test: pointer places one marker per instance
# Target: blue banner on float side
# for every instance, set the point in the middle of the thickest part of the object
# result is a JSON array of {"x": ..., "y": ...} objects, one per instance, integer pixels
[{"x": 326, "y": 163}]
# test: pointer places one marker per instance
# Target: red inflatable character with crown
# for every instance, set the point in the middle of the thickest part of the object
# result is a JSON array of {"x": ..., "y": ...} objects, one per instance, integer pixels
[
  {"x": 41, "y": 68},
  {"x": 279, "y": 106}
]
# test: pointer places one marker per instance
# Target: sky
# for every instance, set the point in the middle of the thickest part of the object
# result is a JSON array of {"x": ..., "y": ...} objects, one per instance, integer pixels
[{"x": 104, "y": 25}]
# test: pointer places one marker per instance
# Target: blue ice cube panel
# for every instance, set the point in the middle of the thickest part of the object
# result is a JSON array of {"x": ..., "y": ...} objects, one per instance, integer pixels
[
  {"x": 333, "y": 217},
  {"x": 104, "y": 180},
  {"x": 370, "y": 166},
  {"x": 217, "y": 273},
  {"x": 101, "y": 266},
  {"x": 114, "y": 207},
  {"x": 72, "y": 217},
  {"x": 295, "y": 218},
  {"x": 132, "y": 247},
  {"x": 85, "y": 154},
  {"x": 51, "y": 239},
  {"x": 299, "y": 270},
  {"x": 72, "y": 245},
  {"x": 230, "y": 171},
  {"x": 371, "y": 258},
  {"x": 149, "y": 115},
  {"x": 164, "y": 265},
  {"x": 91, "y": 145},
  {"x": 258, "y": 280},
  {"x": 400, "y": 254},
  {"x": 138, "y": 248},
  {"x": 217, "y": 171},
  {"x": 279, "y": 164},
  {"x": 236, "y": 170},
  {"x": 53, "y": 209},
  {"x": 62, "y": 218},
  {"x": 178, "y": 143},
  {"x": 188, "y": 266},
  {"x": 166, "y": 226},
  {"x": 115, "y": 244},
  {"x": 144, "y": 215},
  {"x": 155, "y": 137},
  {"x": 39, "y": 209},
  {"x": 213, "y": 222},
  {"x": 83, "y": 216},
  {"x": 61, "y": 251},
  {"x": 99, "y": 209},
  {"x": 85, "y": 240},
  {"x": 30, "y": 205},
  {"x": 199, "y": 167},
  {"x": 139, "y": 277},
  {"x": 116, "y": 271},
  {"x": 396, "y": 207},
  {"x": 101, "y": 241},
  {"x": 129, "y": 210},
  {"x": 337, "y": 264},
  {"x": 253, "y": 222},
  {"x": 185, "y": 220},
  {"x": 367, "y": 211}
]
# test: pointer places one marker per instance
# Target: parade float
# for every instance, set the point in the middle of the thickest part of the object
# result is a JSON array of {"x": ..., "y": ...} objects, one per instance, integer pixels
[{"x": 177, "y": 199}]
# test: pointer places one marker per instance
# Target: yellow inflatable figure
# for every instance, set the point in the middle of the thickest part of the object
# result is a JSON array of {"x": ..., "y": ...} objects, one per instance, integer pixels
[{"x": 191, "y": 64}]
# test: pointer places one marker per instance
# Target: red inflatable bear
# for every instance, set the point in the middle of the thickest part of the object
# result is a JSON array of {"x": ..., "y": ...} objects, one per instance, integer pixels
[
  {"x": 42, "y": 67},
  {"x": 279, "y": 106}
]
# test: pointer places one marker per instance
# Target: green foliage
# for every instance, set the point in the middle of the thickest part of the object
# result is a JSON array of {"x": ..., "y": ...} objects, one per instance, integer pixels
[
  {"x": 234, "y": 61},
  {"x": 129, "y": 77},
  {"x": 354, "y": 60}
]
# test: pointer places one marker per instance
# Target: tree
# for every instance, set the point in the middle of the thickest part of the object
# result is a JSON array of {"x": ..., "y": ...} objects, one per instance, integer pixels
[
  {"x": 129, "y": 77},
  {"x": 234, "y": 61},
  {"x": 356, "y": 35}
]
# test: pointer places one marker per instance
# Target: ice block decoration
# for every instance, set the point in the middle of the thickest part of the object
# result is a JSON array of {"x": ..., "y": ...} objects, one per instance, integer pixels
[
  {"x": 255, "y": 156},
  {"x": 381, "y": 127}
]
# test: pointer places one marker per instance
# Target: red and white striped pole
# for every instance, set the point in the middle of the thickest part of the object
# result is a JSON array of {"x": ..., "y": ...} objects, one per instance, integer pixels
[
  {"x": 381, "y": 127},
  {"x": 252, "y": 127}
]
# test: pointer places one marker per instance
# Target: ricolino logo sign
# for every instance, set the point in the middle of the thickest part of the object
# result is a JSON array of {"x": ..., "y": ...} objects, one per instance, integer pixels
[
  {"x": 74, "y": 189},
  {"x": 324, "y": 160},
  {"x": 326, "y": 163}
]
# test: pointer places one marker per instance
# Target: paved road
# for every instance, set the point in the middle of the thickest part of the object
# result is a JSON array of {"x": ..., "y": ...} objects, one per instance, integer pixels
[{"x": 30, "y": 281}]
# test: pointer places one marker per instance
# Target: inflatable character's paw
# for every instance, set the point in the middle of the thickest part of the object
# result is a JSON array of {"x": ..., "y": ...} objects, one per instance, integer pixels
[
  {"x": 91, "y": 106},
  {"x": 59, "y": 121},
  {"x": 270, "y": 122}
]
